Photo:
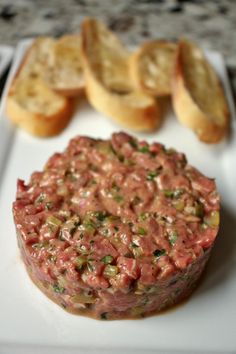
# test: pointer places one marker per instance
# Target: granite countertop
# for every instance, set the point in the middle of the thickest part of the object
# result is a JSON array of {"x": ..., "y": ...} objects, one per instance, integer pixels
[{"x": 212, "y": 24}]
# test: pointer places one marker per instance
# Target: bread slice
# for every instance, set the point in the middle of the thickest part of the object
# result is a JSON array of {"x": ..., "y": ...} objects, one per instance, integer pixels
[
  {"x": 64, "y": 72},
  {"x": 198, "y": 97},
  {"x": 108, "y": 85},
  {"x": 30, "y": 103},
  {"x": 151, "y": 67}
]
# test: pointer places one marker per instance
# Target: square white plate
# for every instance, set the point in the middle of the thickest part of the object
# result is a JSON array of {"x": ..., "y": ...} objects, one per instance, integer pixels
[
  {"x": 29, "y": 322},
  {"x": 6, "y": 53}
]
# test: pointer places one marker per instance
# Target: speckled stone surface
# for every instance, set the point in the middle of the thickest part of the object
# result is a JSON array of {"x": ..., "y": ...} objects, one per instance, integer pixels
[{"x": 212, "y": 24}]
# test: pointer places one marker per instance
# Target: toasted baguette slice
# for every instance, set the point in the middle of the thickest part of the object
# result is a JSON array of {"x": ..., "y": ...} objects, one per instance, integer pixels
[
  {"x": 108, "y": 85},
  {"x": 198, "y": 97},
  {"x": 30, "y": 103},
  {"x": 151, "y": 67},
  {"x": 64, "y": 72}
]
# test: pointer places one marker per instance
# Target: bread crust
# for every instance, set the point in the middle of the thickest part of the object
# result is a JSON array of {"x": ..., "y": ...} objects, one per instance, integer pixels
[
  {"x": 39, "y": 124},
  {"x": 208, "y": 127},
  {"x": 131, "y": 109}
]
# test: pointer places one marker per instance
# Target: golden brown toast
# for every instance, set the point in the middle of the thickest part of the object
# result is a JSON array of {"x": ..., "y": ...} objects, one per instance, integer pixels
[
  {"x": 64, "y": 72},
  {"x": 30, "y": 103},
  {"x": 108, "y": 85},
  {"x": 198, "y": 97},
  {"x": 151, "y": 67}
]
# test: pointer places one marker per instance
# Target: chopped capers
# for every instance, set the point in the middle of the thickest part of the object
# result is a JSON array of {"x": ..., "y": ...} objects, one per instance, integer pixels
[{"x": 159, "y": 253}]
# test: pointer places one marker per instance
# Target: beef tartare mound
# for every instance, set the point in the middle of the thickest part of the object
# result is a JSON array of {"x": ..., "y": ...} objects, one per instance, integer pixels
[{"x": 116, "y": 228}]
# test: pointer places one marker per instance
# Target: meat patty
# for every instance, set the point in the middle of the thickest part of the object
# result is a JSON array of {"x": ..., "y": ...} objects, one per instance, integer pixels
[{"x": 116, "y": 228}]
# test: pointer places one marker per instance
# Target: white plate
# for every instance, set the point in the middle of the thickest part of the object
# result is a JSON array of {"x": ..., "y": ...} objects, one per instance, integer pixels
[
  {"x": 29, "y": 322},
  {"x": 6, "y": 53}
]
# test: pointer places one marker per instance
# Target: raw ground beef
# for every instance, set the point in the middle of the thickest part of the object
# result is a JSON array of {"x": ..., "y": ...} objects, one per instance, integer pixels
[{"x": 116, "y": 228}]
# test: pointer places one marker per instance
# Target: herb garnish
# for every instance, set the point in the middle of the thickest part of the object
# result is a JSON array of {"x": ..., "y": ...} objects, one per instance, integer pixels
[
  {"x": 159, "y": 253},
  {"x": 107, "y": 259}
]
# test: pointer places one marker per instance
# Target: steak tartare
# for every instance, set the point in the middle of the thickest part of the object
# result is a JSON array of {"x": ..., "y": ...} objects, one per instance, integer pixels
[{"x": 116, "y": 228}]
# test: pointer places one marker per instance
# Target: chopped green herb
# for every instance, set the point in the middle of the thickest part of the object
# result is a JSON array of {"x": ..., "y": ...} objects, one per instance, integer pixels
[
  {"x": 142, "y": 231},
  {"x": 159, "y": 253},
  {"x": 80, "y": 262},
  {"x": 134, "y": 245},
  {"x": 116, "y": 228},
  {"x": 52, "y": 258},
  {"x": 91, "y": 242},
  {"x": 49, "y": 205},
  {"x": 90, "y": 226},
  {"x": 90, "y": 267},
  {"x": 173, "y": 237},
  {"x": 83, "y": 249},
  {"x": 40, "y": 245},
  {"x": 168, "y": 193},
  {"x": 173, "y": 193},
  {"x": 144, "y": 149},
  {"x": 100, "y": 215},
  {"x": 143, "y": 216},
  {"x": 178, "y": 193},
  {"x": 58, "y": 289},
  {"x": 105, "y": 232},
  {"x": 118, "y": 198},
  {"x": 107, "y": 259},
  {"x": 40, "y": 198},
  {"x": 152, "y": 175}
]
